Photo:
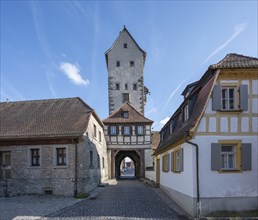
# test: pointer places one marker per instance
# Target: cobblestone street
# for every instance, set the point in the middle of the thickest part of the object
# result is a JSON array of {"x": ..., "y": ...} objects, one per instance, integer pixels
[
  {"x": 125, "y": 199},
  {"x": 129, "y": 199}
]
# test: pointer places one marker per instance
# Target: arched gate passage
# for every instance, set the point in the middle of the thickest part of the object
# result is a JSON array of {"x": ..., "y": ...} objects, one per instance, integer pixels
[{"x": 137, "y": 156}]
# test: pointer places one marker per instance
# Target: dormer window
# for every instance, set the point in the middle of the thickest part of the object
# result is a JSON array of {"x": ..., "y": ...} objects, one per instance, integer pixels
[
  {"x": 161, "y": 136},
  {"x": 125, "y": 45},
  {"x": 132, "y": 64},
  {"x": 170, "y": 128},
  {"x": 186, "y": 113},
  {"x": 125, "y": 114}
]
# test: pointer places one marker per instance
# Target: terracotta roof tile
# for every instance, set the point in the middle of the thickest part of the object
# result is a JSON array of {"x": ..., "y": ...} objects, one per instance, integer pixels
[
  {"x": 134, "y": 116},
  {"x": 234, "y": 60},
  {"x": 43, "y": 118}
]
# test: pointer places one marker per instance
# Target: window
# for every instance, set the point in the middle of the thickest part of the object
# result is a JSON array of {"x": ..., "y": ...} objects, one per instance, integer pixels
[
  {"x": 177, "y": 160},
  {"x": 230, "y": 98},
  {"x": 132, "y": 64},
  {"x": 228, "y": 157},
  {"x": 125, "y": 97},
  {"x": 140, "y": 130},
  {"x": 126, "y": 86},
  {"x": 95, "y": 130},
  {"x": 117, "y": 63},
  {"x": 186, "y": 113},
  {"x": 125, "y": 114},
  {"x": 170, "y": 128},
  {"x": 113, "y": 130},
  {"x": 134, "y": 86},
  {"x": 35, "y": 157},
  {"x": 127, "y": 130},
  {"x": 91, "y": 158},
  {"x": 231, "y": 155},
  {"x": 61, "y": 156},
  {"x": 103, "y": 162},
  {"x": 125, "y": 45},
  {"x": 117, "y": 86},
  {"x": 100, "y": 136},
  {"x": 165, "y": 163}
]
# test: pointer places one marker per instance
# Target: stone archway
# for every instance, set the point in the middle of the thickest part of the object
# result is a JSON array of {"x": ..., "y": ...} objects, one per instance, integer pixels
[{"x": 135, "y": 155}]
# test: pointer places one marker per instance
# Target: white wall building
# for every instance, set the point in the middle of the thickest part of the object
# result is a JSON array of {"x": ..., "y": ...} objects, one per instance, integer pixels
[{"x": 219, "y": 118}]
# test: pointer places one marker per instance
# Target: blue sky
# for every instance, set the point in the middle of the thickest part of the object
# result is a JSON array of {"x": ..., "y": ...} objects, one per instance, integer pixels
[{"x": 55, "y": 49}]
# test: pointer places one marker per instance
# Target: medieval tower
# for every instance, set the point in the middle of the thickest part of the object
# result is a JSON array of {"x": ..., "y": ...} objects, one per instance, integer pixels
[
  {"x": 127, "y": 130},
  {"x": 125, "y": 62}
]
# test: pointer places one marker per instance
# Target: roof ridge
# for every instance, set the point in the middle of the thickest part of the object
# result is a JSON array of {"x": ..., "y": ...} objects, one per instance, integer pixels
[{"x": 40, "y": 100}]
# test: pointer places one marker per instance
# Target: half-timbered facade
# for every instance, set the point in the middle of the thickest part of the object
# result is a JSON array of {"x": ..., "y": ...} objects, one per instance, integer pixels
[
  {"x": 207, "y": 156},
  {"x": 128, "y": 134}
]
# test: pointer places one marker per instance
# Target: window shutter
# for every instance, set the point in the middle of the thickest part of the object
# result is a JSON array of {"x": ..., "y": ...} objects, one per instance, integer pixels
[
  {"x": 172, "y": 162},
  {"x": 131, "y": 130},
  {"x": 246, "y": 152},
  {"x": 117, "y": 130},
  {"x": 243, "y": 94},
  {"x": 215, "y": 156},
  {"x": 168, "y": 167},
  {"x": 109, "y": 128},
  {"x": 181, "y": 155},
  {"x": 216, "y": 98}
]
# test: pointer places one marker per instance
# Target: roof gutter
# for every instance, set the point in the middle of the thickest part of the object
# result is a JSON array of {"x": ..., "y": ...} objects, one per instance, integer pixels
[{"x": 198, "y": 205}]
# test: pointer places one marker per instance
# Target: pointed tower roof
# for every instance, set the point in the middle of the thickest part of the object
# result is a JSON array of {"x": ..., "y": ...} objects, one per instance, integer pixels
[
  {"x": 121, "y": 32},
  {"x": 133, "y": 116}
]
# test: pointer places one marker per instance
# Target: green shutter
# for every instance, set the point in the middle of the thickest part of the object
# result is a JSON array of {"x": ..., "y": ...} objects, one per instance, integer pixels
[
  {"x": 215, "y": 156},
  {"x": 216, "y": 98},
  {"x": 243, "y": 96},
  {"x": 246, "y": 156}
]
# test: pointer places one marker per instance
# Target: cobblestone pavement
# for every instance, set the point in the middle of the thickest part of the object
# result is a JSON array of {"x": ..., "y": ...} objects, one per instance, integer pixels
[
  {"x": 125, "y": 199},
  {"x": 129, "y": 199}
]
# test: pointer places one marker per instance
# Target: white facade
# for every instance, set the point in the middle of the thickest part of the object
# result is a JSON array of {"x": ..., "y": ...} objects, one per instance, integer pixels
[
  {"x": 234, "y": 190},
  {"x": 125, "y": 73}
]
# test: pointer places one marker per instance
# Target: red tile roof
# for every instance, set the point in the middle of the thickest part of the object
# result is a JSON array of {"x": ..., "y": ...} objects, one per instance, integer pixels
[
  {"x": 134, "y": 116},
  {"x": 52, "y": 118}
]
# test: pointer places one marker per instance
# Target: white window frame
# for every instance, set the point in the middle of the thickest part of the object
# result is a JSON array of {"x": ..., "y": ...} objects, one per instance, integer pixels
[
  {"x": 186, "y": 113},
  {"x": 126, "y": 130},
  {"x": 140, "y": 130},
  {"x": 225, "y": 155},
  {"x": 170, "y": 128},
  {"x": 225, "y": 101},
  {"x": 113, "y": 130}
]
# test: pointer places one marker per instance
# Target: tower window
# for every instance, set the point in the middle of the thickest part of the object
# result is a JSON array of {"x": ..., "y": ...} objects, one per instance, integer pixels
[
  {"x": 117, "y": 63},
  {"x": 125, "y": 97},
  {"x": 126, "y": 86},
  {"x": 125, "y": 45},
  {"x": 132, "y": 64},
  {"x": 117, "y": 86},
  {"x": 134, "y": 86}
]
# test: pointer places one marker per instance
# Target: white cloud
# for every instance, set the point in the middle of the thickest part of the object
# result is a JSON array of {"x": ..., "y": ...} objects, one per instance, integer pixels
[
  {"x": 238, "y": 29},
  {"x": 72, "y": 71},
  {"x": 164, "y": 121}
]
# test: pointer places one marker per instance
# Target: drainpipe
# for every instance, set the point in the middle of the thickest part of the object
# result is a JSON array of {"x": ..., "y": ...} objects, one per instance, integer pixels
[
  {"x": 75, "y": 167},
  {"x": 198, "y": 205}
]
